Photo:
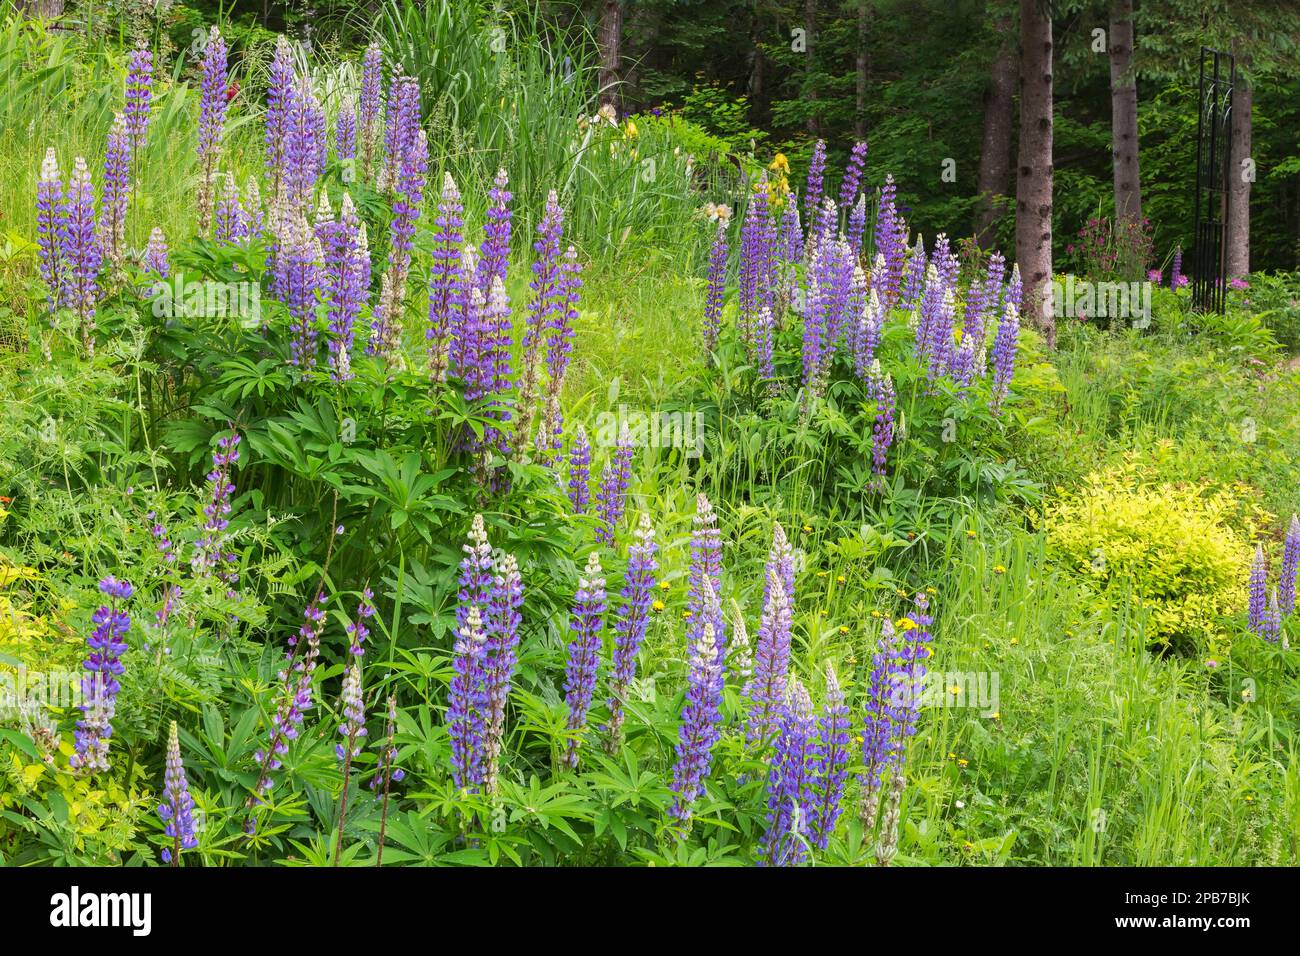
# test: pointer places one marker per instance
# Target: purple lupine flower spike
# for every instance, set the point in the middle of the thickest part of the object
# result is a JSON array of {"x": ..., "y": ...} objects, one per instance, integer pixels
[
  {"x": 210, "y": 554},
  {"x": 466, "y": 702},
  {"x": 296, "y": 693},
  {"x": 353, "y": 727},
  {"x": 1271, "y": 630},
  {"x": 548, "y": 298},
  {"x": 370, "y": 109},
  {"x": 503, "y": 619},
  {"x": 212, "y": 119},
  {"x": 495, "y": 253},
  {"x": 812, "y": 194},
  {"x": 630, "y": 625},
  {"x": 51, "y": 233},
  {"x": 229, "y": 223},
  {"x": 139, "y": 95},
  {"x": 345, "y": 134},
  {"x": 448, "y": 285},
  {"x": 789, "y": 782},
  {"x": 117, "y": 193},
  {"x": 853, "y": 175},
  {"x": 155, "y": 254},
  {"x": 715, "y": 288},
  {"x": 281, "y": 102},
  {"x": 584, "y": 655},
  {"x": 857, "y": 225},
  {"x": 917, "y": 265},
  {"x": 908, "y": 678},
  {"x": 100, "y": 687},
  {"x": 611, "y": 497},
  {"x": 580, "y": 472},
  {"x": 82, "y": 251},
  {"x": 878, "y": 748},
  {"x": 766, "y": 690},
  {"x": 757, "y": 260},
  {"x": 560, "y": 330},
  {"x": 1290, "y": 567},
  {"x": 1258, "y": 590},
  {"x": 167, "y": 549},
  {"x": 177, "y": 808},
  {"x": 699, "y": 730},
  {"x": 300, "y": 278},
  {"x": 832, "y": 763},
  {"x": 347, "y": 285},
  {"x": 1004, "y": 354}
]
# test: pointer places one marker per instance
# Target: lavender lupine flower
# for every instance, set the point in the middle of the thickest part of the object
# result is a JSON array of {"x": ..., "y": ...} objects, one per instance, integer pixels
[
  {"x": 229, "y": 223},
  {"x": 757, "y": 257},
  {"x": 1004, "y": 353},
  {"x": 353, "y": 727},
  {"x": 299, "y": 277},
  {"x": 611, "y": 497},
  {"x": 466, "y": 703},
  {"x": 139, "y": 95},
  {"x": 494, "y": 257},
  {"x": 917, "y": 265},
  {"x": 1176, "y": 270},
  {"x": 281, "y": 97},
  {"x": 812, "y": 194},
  {"x": 908, "y": 678},
  {"x": 780, "y": 560},
  {"x": 881, "y": 388},
  {"x": 357, "y": 631},
  {"x": 831, "y": 763},
  {"x": 706, "y": 576},
  {"x": 210, "y": 555},
  {"x": 791, "y": 246},
  {"x": 370, "y": 109},
  {"x": 51, "y": 233},
  {"x": 1015, "y": 288},
  {"x": 476, "y": 570},
  {"x": 448, "y": 284},
  {"x": 494, "y": 366},
  {"x": 1271, "y": 629},
  {"x": 548, "y": 298},
  {"x": 304, "y": 146},
  {"x": 1290, "y": 566},
  {"x": 766, "y": 690},
  {"x": 630, "y": 624},
  {"x": 155, "y": 254},
  {"x": 100, "y": 687},
  {"x": 503, "y": 619},
  {"x": 212, "y": 119},
  {"x": 584, "y": 654},
  {"x": 177, "y": 808},
  {"x": 560, "y": 330},
  {"x": 715, "y": 288},
  {"x": 296, "y": 692},
  {"x": 117, "y": 193},
  {"x": 764, "y": 332},
  {"x": 975, "y": 326},
  {"x": 857, "y": 226},
  {"x": 829, "y": 286},
  {"x": 699, "y": 729},
  {"x": 871, "y": 326},
  {"x": 891, "y": 243},
  {"x": 580, "y": 472},
  {"x": 82, "y": 251},
  {"x": 789, "y": 781},
  {"x": 167, "y": 549},
  {"x": 878, "y": 748},
  {"x": 402, "y": 121},
  {"x": 550, "y": 433},
  {"x": 345, "y": 134},
  {"x": 853, "y": 175},
  {"x": 408, "y": 197},
  {"x": 1258, "y": 592},
  {"x": 347, "y": 284},
  {"x": 929, "y": 345}
]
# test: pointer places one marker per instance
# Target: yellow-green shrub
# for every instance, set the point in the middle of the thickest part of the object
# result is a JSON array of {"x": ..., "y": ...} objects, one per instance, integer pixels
[{"x": 1173, "y": 547}]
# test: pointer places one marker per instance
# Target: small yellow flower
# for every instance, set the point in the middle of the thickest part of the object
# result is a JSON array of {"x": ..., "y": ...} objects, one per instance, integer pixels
[
  {"x": 968, "y": 846},
  {"x": 1015, "y": 641},
  {"x": 822, "y": 612},
  {"x": 840, "y": 578},
  {"x": 905, "y": 624},
  {"x": 951, "y": 755},
  {"x": 658, "y": 606},
  {"x": 664, "y": 585},
  {"x": 875, "y": 613},
  {"x": 997, "y": 715},
  {"x": 686, "y": 614},
  {"x": 630, "y": 130},
  {"x": 955, "y": 689},
  {"x": 844, "y": 629},
  {"x": 999, "y": 569},
  {"x": 821, "y": 574},
  {"x": 963, "y": 762},
  {"x": 807, "y": 529},
  {"x": 931, "y": 591},
  {"x": 779, "y": 163},
  {"x": 1249, "y": 798},
  {"x": 970, "y": 534}
]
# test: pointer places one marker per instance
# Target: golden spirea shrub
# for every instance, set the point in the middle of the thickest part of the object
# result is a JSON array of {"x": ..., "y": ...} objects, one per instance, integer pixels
[{"x": 1174, "y": 548}]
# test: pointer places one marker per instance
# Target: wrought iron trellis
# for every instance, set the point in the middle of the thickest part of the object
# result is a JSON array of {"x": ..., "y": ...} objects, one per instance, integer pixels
[{"x": 1213, "y": 167}]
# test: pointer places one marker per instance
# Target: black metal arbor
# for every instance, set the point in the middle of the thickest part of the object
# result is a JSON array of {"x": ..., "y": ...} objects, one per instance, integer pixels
[{"x": 1213, "y": 167}]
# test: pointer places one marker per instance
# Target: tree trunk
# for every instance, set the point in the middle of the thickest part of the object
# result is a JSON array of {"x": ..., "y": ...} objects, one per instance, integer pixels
[
  {"x": 863, "y": 69},
  {"x": 1034, "y": 176},
  {"x": 995, "y": 150},
  {"x": 810, "y": 69},
  {"x": 609, "y": 40},
  {"x": 42, "y": 9},
  {"x": 1238, "y": 237},
  {"x": 1124, "y": 113}
]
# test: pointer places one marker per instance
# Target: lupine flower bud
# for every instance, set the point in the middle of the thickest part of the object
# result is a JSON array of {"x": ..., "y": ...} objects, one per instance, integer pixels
[
  {"x": 448, "y": 284},
  {"x": 139, "y": 95},
  {"x": 177, "y": 809},
  {"x": 503, "y": 619},
  {"x": 699, "y": 728},
  {"x": 1004, "y": 355},
  {"x": 212, "y": 119},
  {"x": 630, "y": 624},
  {"x": 580, "y": 472},
  {"x": 82, "y": 251},
  {"x": 51, "y": 233},
  {"x": 1290, "y": 566},
  {"x": 611, "y": 498},
  {"x": 100, "y": 687},
  {"x": 715, "y": 289},
  {"x": 155, "y": 254}
]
